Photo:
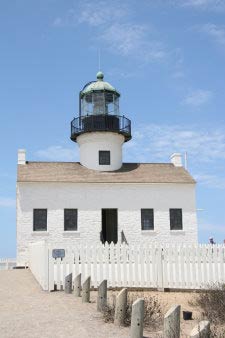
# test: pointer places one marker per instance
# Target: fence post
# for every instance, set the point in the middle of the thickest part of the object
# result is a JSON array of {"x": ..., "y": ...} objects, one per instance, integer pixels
[
  {"x": 201, "y": 330},
  {"x": 121, "y": 305},
  {"x": 171, "y": 326},
  {"x": 160, "y": 285},
  {"x": 77, "y": 285},
  {"x": 68, "y": 283},
  {"x": 102, "y": 296},
  {"x": 86, "y": 290},
  {"x": 137, "y": 319}
]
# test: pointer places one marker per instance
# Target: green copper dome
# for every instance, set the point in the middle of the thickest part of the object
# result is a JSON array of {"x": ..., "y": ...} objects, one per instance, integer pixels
[{"x": 99, "y": 85}]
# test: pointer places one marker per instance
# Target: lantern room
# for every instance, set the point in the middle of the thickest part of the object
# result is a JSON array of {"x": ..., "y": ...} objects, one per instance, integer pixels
[
  {"x": 99, "y": 97},
  {"x": 99, "y": 110}
]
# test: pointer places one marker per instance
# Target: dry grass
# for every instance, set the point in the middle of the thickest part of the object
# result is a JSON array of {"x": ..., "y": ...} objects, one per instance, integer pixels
[
  {"x": 212, "y": 305},
  {"x": 152, "y": 314}
]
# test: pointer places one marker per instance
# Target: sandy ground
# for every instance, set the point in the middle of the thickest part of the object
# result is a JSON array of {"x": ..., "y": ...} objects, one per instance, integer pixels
[{"x": 27, "y": 311}]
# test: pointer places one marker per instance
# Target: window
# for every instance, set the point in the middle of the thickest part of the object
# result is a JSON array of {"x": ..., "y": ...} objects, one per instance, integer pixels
[
  {"x": 70, "y": 219},
  {"x": 176, "y": 219},
  {"x": 40, "y": 220},
  {"x": 147, "y": 219},
  {"x": 104, "y": 157}
]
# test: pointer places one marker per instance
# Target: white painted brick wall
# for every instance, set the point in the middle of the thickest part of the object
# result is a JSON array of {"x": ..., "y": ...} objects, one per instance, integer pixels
[{"x": 89, "y": 199}]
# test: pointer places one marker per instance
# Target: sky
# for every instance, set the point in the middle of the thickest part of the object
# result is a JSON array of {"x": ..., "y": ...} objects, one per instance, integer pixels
[{"x": 167, "y": 59}]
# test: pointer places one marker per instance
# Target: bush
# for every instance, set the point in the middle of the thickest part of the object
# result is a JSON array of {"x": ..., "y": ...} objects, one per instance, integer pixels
[
  {"x": 212, "y": 303},
  {"x": 152, "y": 312}
]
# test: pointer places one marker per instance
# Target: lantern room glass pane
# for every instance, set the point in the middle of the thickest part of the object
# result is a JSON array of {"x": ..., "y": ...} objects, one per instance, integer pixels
[{"x": 99, "y": 103}]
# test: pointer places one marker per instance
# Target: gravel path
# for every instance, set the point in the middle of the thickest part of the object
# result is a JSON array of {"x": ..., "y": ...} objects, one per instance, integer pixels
[{"x": 28, "y": 312}]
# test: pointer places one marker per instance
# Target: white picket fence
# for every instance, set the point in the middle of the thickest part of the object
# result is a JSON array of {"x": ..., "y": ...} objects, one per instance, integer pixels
[
  {"x": 7, "y": 263},
  {"x": 146, "y": 266}
]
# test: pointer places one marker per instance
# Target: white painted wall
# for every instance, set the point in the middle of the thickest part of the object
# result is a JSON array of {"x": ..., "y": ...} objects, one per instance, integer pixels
[
  {"x": 91, "y": 143},
  {"x": 89, "y": 199}
]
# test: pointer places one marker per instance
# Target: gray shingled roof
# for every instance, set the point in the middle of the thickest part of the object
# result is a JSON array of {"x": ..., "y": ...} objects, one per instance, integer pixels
[{"x": 129, "y": 173}]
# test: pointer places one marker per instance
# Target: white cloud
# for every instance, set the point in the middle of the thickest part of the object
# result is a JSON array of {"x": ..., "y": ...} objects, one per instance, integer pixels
[
  {"x": 198, "y": 97},
  {"x": 157, "y": 142},
  {"x": 57, "y": 153},
  {"x": 217, "y": 33},
  {"x": 7, "y": 202},
  {"x": 217, "y": 5},
  {"x": 134, "y": 40},
  {"x": 114, "y": 28},
  {"x": 98, "y": 13}
]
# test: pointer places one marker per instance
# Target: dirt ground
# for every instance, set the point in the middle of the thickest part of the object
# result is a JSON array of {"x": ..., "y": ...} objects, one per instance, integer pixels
[{"x": 28, "y": 312}]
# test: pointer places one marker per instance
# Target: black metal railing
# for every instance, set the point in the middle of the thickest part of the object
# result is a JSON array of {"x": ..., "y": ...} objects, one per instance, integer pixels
[{"x": 102, "y": 122}]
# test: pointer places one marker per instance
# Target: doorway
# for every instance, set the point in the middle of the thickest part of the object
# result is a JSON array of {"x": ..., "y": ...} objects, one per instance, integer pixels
[{"x": 109, "y": 226}]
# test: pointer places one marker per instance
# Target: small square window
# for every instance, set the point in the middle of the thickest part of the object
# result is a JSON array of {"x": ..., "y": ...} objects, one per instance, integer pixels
[
  {"x": 70, "y": 219},
  {"x": 147, "y": 219},
  {"x": 40, "y": 220},
  {"x": 176, "y": 222},
  {"x": 104, "y": 157}
]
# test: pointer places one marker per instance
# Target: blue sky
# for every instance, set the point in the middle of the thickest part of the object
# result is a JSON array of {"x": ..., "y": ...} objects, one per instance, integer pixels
[{"x": 167, "y": 58}]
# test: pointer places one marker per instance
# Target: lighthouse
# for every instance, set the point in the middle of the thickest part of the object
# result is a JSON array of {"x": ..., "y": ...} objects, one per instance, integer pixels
[
  {"x": 100, "y": 130},
  {"x": 102, "y": 199}
]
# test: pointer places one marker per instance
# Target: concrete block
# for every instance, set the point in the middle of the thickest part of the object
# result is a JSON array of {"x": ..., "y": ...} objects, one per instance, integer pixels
[
  {"x": 68, "y": 283},
  {"x": 121, "y": 307},
  {"x": 86, "y": 290},
  {"x": 137, "y": 318},
  {"x": 77, "y": 285},
  {"x": 171, "y": 326},
  {"x": 102, "y": 296},
  {"x": 202, "y": 330}
]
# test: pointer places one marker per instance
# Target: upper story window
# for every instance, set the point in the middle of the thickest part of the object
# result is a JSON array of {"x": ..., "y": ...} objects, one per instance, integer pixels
[
  {"x": 176, "y": 222},
  {"x": 40, "y": 220},
  {"x": 104, "y": 157},
  {"x": 70, "y": 219},
  {"x": 147, "y": 219}
]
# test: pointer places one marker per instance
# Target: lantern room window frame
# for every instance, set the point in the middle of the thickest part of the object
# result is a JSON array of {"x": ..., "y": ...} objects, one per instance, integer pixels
[{"x": 99, "y": 102}]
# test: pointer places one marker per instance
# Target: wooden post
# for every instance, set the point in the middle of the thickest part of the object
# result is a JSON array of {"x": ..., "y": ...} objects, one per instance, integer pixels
[
  {"x": 171, "y": 327},
  {"x": 201, "y": 330},
  {"x": 77, "y": 285},
  {"x": 68, "y": 283},
  {"x": 86, "y": 290},
  {"x": 102, "y": 296},
  {"x": 121, "y": 306},
  {"x": 137, "y": 319}
]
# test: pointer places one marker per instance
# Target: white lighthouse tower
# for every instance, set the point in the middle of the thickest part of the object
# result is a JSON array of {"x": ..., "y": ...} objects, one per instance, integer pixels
[{"x": 100, "y": 130}]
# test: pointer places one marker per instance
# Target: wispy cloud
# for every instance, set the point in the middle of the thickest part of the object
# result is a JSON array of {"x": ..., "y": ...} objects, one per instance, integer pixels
[
  {"x": 157, "y": 142},
  {"x": 198, "y": 97},
  {"x": 217, "y": 33},
  {"x": 217, "y": 5},
  {"x": 128, "y": 39},
  {"x": 115, "y": 28},
  {"x": 7, "y": 202},
  {"x": 57, "y": 153},
  {"x": 98, "y": 14}
]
